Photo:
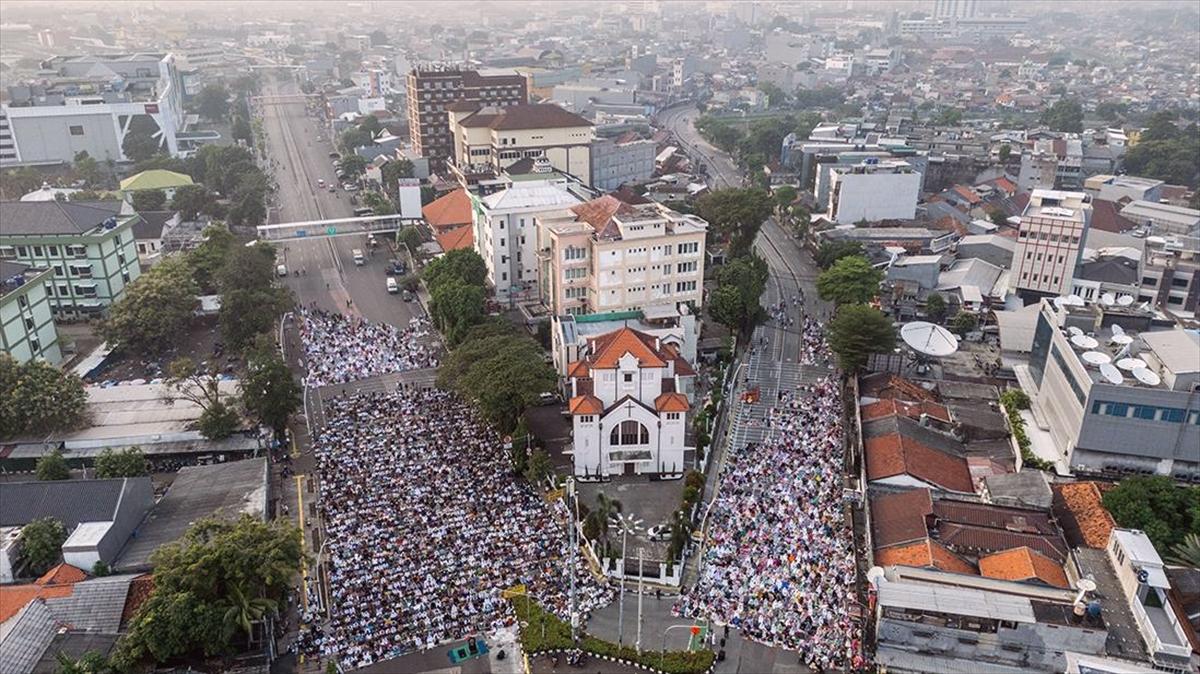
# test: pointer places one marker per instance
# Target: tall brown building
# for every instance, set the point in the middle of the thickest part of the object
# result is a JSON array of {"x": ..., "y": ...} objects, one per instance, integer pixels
[{"x": 431, "y": 93}]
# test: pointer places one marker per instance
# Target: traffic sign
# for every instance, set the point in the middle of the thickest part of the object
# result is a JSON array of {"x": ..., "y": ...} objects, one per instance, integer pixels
[
  {"x": 300, "y": 233},
  {"x": 331, "y": 230}
]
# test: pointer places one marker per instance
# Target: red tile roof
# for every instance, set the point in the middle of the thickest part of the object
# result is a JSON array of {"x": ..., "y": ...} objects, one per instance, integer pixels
[
  {"x": 967, "y": 193},
  {"x": 63, "y": 574},
  {"x": 578, "y": 368},
  {"x": 924, "y": 554},
  {"x": 599, "y": 214},
  {"x": 895, "y": 454},
  {"x": 899, "y": 519},
  {"x": 139, "y": 591},
  {"x": 1023, "y": 564},
  {"x": 57, "y": 582},
  {"x": 448, "y": 211},
  {"x": 454, "y": 239},
  {"x": 671, "y": 402},
  {"x": 887, "y": 408},
  {"x": 607, "y": 349},
  {"x": 585, "y": 405},
  {"x": 982, "y": 540},
  {"x": 1080, "y": 508},
  {"x": 896, "y": 387},
  {"x": 1106, "y": 215}
]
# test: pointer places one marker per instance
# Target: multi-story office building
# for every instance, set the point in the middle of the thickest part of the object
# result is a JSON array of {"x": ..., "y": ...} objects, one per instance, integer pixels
[
  {"x": 958, "y": 9},
  {"x": 87, "y": 103},
  {"x": 431, "y": 91},
  {"x": 505, "y": 232},
  {"x": 616, "y": 163},
  {"x": 488, "y": 140},
  {"x": 26, "y": 319},
  {"x": 609, "y": 255},
  {"x": 873, "y": 190},
  {"x": 1116, "y": 390},
  {"x": 627, "y": 411},
  {"x": 1171, "y": 276},
  {"x": 1053, "y": 229},
  {"x": 89, "y": 246}
]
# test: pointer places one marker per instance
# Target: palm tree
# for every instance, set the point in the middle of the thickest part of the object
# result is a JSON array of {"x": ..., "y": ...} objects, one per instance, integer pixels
[
  {"x": 244, "y": 611},
  {"x": 606, "y": 507},
  {"x": 1186, "y": 553}
]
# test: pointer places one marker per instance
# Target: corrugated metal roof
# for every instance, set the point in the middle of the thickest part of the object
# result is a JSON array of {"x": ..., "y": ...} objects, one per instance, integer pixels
[{"x": 955, "y": 601}]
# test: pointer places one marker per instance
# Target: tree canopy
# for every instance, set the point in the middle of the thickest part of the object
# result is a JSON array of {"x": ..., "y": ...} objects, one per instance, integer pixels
[
  {"x": 250, "y": 299},
  {"x": 149, "y": 200},
  {"x": 849, "y": 280},
  {"x": 156, "y": 308},
  {"x": 463, "y": 264},
  {"x": 212, "y": 103},
  {"x": 140, "y": 143},
  {"x": 1065, "y": 115},
  {"x": 188, "y": 381},
  {"x": 269, "y": 391},
  {"x": 41, "y": 544},
  {"x": 37, "y": 398},
  {"x": 500, "y": 371},
  {"x": 52, "y": 466},
  {"x": 856, "y": 332},
  {"x": 1166, "y": 152},
  {"x": 125, "y": 463},
  {"x": 1165, "y": 512},
  {"x": 740, "y": 284},
  {"x": 735, "y": 215},
  {"x": 207, "y": 586},
  {"x": 832, "y": 250},
  {"x": 192, "y": 200}
]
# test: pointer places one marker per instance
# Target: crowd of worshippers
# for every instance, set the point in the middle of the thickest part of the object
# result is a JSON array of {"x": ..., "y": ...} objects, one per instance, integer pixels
[
  {"x": 340, "y": 349},
  {"x": 779, "y": 563},
  {"x": 426, "y": 526}
]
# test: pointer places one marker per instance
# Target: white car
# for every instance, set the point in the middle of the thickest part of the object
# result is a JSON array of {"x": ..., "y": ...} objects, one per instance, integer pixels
[
  {"x": 350, "y": 187},
  {"x": 659, "y": 532},
  {"x": 281, "y": 270}
]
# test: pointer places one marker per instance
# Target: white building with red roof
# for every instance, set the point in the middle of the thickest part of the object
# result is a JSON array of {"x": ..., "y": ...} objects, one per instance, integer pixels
[{"x": 629, "y": 405}]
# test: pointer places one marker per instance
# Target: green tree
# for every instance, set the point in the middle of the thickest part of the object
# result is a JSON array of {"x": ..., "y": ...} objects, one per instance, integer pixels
[
  {"x": 850, "y": 280},
  {"x": 250, "y": 300},
  {"x": 1166, "y": 152},
  {"x": 963, "y": 322},
  {"x": 192, "y": 200},
  {"x": 1187, "y": 552},
  {"x": 188, "y": 381},
  {"x": 935, "y": 307},
  {"x": 832, "y": 250},
  {"x": 735, "y": 215},
  {"x": 411, "y": 238},
  {"x": 606, "y": 508},
  {"x": 463, "y": 264},
  {"x": 19, "y": 182},
  {"x": 1065, "y": 115},
  {"x": 41, "y": 544},
  {"x": 37, "y": 398},
  {"x": 212, "y": 103},
  {"x": 500, "y": 371},
  {"x": 218, "y": 421},
  {"x": 856, "y": 332},
  {"x": 91, "y": 662},
  {"x": 378, "y": 203},
  {"x": 775, "y": 96},
  {"x": 241, "y": 130},
  {"x": 125, "y": 463},
  {"x": 998, "y": 218},
  {"x": 52, "y": 467},
  {"x": 207, "y": 259},
  {"x": 393, "y": 171},
  {"x": 248, "y": 210},
  {"x": 156, "y": 308},
  {"x": 140, "y": 143},
  {"x": 456, "y": 307},
  {"x": 378, "y": 37},
  {"x": 539, "y": 468},
  {"x": 948, "y": 116},
  {"x": 784, "y": 196},
  {"x": 217, "y": 566},
  {"x": 269, "y": 391},
  {"x": 1004, "y": 153},
  {"x": 735, "y": 302},
  {"x": 149, "y": 200},
  {"x": 353, "y": 165},
  {"x": 354, "y": 138},
  {"x": 1155, "y": 505},
  {"x": 88, "y": 169}
]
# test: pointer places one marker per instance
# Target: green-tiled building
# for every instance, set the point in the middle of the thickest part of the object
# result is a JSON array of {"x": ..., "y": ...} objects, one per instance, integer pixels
[
  {"x": 26, "y": 319},
  {"x": 88, "y": 246}
]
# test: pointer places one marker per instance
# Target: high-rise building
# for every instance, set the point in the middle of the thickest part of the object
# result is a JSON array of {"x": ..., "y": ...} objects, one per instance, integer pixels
[
  {"x": 431, "y": 92},
  {"x": 957, "y": 9},
  {"x": 1053, "y": 229}
]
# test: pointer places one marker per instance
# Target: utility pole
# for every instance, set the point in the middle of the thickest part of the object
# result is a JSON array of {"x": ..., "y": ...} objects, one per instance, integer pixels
[
  {"x": 638, "y": 645},
  {"x": 621, "y": 601},
  {"x": 574, "y": 551}
]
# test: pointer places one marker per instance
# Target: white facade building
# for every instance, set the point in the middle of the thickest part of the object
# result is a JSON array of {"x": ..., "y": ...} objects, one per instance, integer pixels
[
  {"x": 505, "y": 234},
  {"x": 1052, "y": 233},
  {"x": 873, "y": 190},
  {"x": 627, "y": 414}
]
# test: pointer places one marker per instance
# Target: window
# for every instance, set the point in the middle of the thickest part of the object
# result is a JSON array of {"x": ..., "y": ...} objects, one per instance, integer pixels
[
  {"x": 22, "y": 251},
  {"x": 1145, "y": 412},
  {"x": 574, "y": 253},
  {"x": 76, "y": 130},
  {"x": 686, "y": 267},
  {"x": 85, "y": 291},
  {"x": 58, "y": 270},
  {"x": 688, "y": 248},
  {"x": 577, "y": 293},
  {"x": 672, "y": 416},
  {"x": 628, "y": 377},
  {"x": 50, "y": 289},
  {"x": 7, "y": 252},
  {"x": 576, "y": 273},
  {"x": 685, "y": 286},
  {"x": 125, "y": 276},
  {"x": 81, "y": 270},
  {"x": 52, "y": 251},
  {"x": 35, "y": 344},
  {"x": 64, "y": 290},
  {"x": 587, "y": 419},
  {"x": 37, "y": 251},
  {"x": 29, "y": 324},
  {"x": 629, "y": 432},
  {"x": 1179, "y": 281},
  {"x": 22, "y": 301},
  {"x": 77, "y": 250}
]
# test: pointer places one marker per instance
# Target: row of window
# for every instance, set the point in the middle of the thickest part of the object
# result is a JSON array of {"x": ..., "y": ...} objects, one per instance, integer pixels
[
  {"x": 1049, "y": 258},
  {"x": 1173, "y": 415},
  {"x": 1045, "y": 278},
  {"x": 1062, "y": 364},
  {"x": 13, "y": 252},
  {"x": 1176, "y": 281},
  {"x": 1046, "y": 236}
]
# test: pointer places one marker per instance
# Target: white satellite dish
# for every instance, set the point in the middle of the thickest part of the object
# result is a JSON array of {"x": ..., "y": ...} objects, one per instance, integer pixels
[
  {"x": 1059, "y": 303},
  {"x": 929, "y": 339},
  {"x": 1111, "y": 374},
  {"x": 1117, "y": 330},
  {"x": 1123, "y": 340},
  {"x": 1084, "y": 342},
  {"x": 874, "y": 574},
  {"x": 1074, "y": 301},
  {"x": 1108, "y": 299},
  {"x": 1086, "y": 585},
  {"x": 1131, "y": 364},
  {"x": 1125, "y": 300},
  {"x": 1096, "y": 358},
  {"x": 1147, "y": 376},
  {"x": 1073, "y": 331}
]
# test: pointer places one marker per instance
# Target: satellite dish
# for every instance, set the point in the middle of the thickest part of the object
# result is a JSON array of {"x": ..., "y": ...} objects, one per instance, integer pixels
[
  {"x": 1123, "y": 340},
  {"x": 1074, "y": 301},
  {"x": 1087, "y": 585},
  {"x": 1073, "y": 331},
  {"x": 1156, "y": 240},
  {"x": 1084, "y": 342},
  {"x": 1108, "y": 299},
  {"x": 929, "y": 339},
  {"x": 1125, "y": 300},
  {"x": 1059, "y": 303},
  {"x": 1131, "y": 364},
  {"x": 874, "y": 575},
  {"x": 1117, "y": 330},
  {"x": 1111, "y": 374},
  {"x": 1146, "y": 376},
  {"x": 1096, "y": 358}
]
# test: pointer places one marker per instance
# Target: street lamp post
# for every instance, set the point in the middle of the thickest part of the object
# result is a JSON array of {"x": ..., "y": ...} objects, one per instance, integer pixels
[
  {"x": 627, "y": 524},
  {"x": 638, "y": 645}
]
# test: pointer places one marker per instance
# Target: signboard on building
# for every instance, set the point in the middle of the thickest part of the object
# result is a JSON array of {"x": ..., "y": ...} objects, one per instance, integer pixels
[{"x": 409, "y": 190}]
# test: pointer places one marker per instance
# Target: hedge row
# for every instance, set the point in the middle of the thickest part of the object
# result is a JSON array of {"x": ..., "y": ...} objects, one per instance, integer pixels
[{"x": 1015, "y": 400}]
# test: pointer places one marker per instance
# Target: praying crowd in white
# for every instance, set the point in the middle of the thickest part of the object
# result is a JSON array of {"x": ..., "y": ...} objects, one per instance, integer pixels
[{"x": 339, "y": 349}]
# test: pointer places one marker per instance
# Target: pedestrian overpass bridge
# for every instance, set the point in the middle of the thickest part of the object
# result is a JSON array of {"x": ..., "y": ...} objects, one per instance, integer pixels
[{"x": 310, "y": 229}]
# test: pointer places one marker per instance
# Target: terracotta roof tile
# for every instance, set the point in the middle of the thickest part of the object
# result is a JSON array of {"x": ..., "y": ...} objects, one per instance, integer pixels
[
  {"x": 578, "y": 368},
  {"x": 924, "y": 554},
  {"x": 895, "y": 454},
  {"x": 586, "y": 405},
  {"x": 671, "y": 402},
  {"x": 607, "y": 349},
  {"x": 63, "y": 574},
  {"x": 139, "y": 591},
  {"x": 899, "y": 519},
  {"x": 1081, "y": 510},
  {"x": 891, "y": 407},
  {"x": 975, "y": 540},
  {"x": 450, "y": 210},
  {"x": 456, "y": 238},
  {"x": 599, "y": 214},
  {"x": 13, "y": 598},
  {"x": 1023, "y": 564}
]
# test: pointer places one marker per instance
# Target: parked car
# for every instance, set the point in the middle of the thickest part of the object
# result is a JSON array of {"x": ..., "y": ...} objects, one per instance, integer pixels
[
  {"x": 350, "y": 187},
  {"x": 407, "y": 295},
  {"x": 359, "y": 259},
  {"x": 659, "y": 532},
  {"x": 392, "y": 286},
  {"x": 547, "y": 397},
  {"x": 397, "y": 268},
  {"x": 281, "y": 271},
  {"x": 320, "y": 182}
]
